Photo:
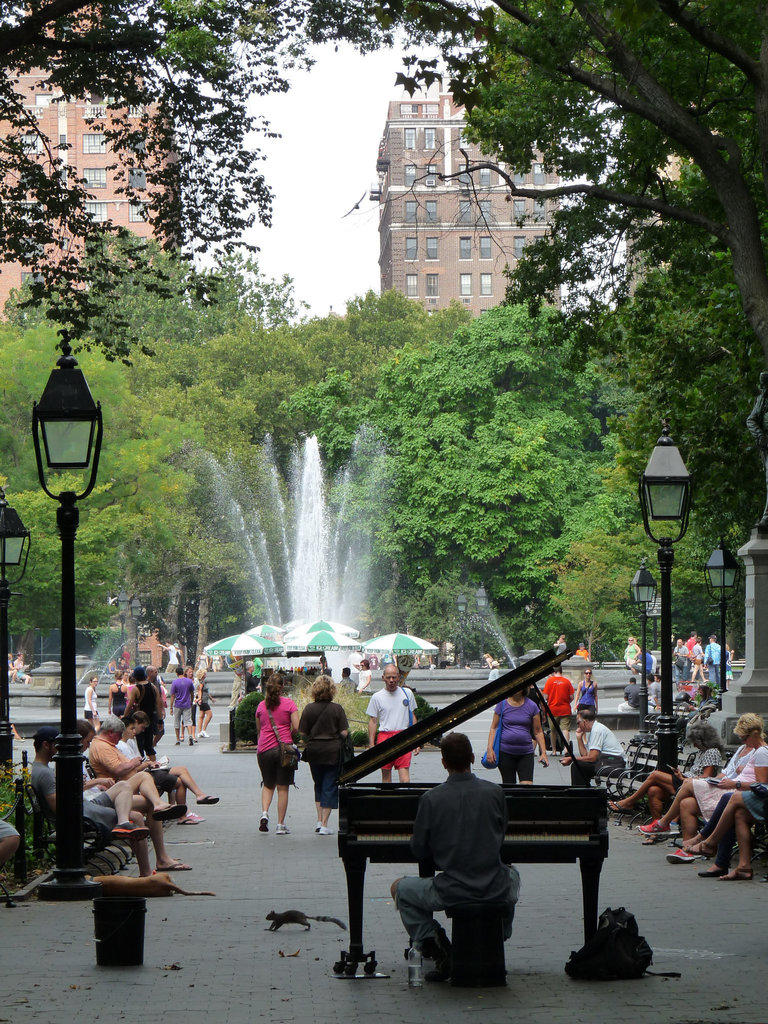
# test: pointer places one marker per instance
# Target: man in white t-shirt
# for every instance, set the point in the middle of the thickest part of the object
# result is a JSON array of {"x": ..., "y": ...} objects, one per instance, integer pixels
[
  {"x": 390, "y": 711},
  {"x": 598, "y": 748}
]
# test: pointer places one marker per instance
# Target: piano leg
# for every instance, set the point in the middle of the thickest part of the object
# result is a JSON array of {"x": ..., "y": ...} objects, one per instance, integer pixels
[
  {"x": 354, "y": 867},
  {"x": 590, "y": 892},
  {"x": 355, "y": 870}
]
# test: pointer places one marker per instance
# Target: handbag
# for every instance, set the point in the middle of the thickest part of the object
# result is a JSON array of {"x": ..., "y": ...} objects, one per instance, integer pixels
[
  {"x": 496, "y": 749},
  {"x": 289, "y": 752},
  {"x": 347, "y": 749}
]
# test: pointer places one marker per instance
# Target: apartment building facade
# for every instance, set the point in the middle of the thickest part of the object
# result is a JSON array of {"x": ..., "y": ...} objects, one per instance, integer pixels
[
  {"x": 446, "y": 234},
  {"x": 78, "y": 125}
]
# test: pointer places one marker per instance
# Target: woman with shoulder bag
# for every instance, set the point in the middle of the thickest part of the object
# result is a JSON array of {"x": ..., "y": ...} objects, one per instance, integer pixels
[
  {"x": 277, "y": 719},
  {"x": 324, "y": 725}
]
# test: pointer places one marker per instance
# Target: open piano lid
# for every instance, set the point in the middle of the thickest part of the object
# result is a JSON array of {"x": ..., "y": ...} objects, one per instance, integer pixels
[{"x": 456, "y": 713}]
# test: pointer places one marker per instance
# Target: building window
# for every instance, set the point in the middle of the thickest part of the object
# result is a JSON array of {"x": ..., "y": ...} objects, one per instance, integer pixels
[
  {"x": 410, "y": 174},
  {"x": 31, "y": 143},
  {"x": 485, "y": 209},
  {"x": 465, "y": 211},
  {"x": 518, "y": 244},
  {"x": 539, "y": 177},
  {"x": 484, "y": 177},
  {"x": 432, "y": 291},
  {"x": 96, "y": 211},
  {"x": 31, "y": 276},
  {"x": 486, "y": 286},
  {"x": 95, "y": 177},
  {"x": 432, "y": 248},
  {"x": 539, "y": 211},
  {"x": 94, "y": 143},
  {"x": 411, "y": 249},
  {"x": 430, "y": 138},
  {"x": 412, "y": 285},
  {"x": 519, "y": 178},
  {"x": 409, "y": 136},
  {"x": 519, "y": 205},
  {"x": 137, "y": 178},
  {"x": 465, "y": 180},
  {"x": 137, "y": 213},
  {"x": 465, "y": 284},
  {"x": 410, "y": 211},
  {"x": 463, "y": 140},
  {"x": 485, "y": 247},
  {"x": 431, "y": 179},
  {"x": 465, "y": 248},
  {"x": 431, "y": 205}
]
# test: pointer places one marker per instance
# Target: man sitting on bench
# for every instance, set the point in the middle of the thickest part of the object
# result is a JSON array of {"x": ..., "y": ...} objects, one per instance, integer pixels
[{"x": 459, "y": 825}]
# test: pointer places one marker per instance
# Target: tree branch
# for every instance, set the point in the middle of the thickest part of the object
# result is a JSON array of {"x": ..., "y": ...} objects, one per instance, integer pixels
[{"x": 713, "y": 40}]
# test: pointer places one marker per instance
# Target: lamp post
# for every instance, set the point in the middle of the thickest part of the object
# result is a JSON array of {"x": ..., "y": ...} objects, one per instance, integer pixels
[
  {"x": 122, "y": 604},
  {"x": 461, "y": 604},
  {"x": 643, "y": 591},
  {"x": 135, "y": 613},
  {"x": 69, "y": 424},
  {"x": 481, "y": 600},
  {"x": 722, "y": 573},
  {"x": 665, "y": 499},
  {"x": 14, "y": 549}
]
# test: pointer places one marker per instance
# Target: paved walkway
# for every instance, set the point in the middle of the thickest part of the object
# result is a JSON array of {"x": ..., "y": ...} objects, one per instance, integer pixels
[{"x": 231, "y": 968}]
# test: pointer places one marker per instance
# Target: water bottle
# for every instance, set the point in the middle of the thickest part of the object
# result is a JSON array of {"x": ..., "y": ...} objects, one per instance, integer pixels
[{"x": 415, "y": 976}]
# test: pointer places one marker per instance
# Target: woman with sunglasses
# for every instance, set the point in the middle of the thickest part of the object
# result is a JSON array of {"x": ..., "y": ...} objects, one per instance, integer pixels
[{"x": 586, "y": 692}]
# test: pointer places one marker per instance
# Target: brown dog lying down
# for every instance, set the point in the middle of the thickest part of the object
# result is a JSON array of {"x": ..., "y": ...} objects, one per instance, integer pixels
[{"x": 159, "y": 884}]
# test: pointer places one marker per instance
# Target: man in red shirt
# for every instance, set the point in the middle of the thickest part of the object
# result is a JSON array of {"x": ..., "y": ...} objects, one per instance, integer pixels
[{"x": 559, "y": 693}]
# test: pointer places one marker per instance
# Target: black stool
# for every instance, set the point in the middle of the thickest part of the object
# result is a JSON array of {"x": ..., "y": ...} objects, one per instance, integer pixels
[{"x": 477, "y": 944}]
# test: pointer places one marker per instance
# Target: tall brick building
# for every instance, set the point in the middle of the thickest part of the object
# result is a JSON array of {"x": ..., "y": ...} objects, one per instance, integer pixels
[
  {"x": 78, "y": 124},
  {"x": 447, "y": 239}
]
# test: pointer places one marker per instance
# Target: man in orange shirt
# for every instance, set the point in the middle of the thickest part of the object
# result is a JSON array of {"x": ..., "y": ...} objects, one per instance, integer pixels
[{"x": 559, "y": 693}]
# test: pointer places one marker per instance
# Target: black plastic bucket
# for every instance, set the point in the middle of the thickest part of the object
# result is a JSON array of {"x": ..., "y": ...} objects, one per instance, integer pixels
[{"x": 119, "y": 930}]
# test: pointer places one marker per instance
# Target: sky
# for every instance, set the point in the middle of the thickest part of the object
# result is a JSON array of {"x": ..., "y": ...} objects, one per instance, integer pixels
[{"x": 331, "y": 122}]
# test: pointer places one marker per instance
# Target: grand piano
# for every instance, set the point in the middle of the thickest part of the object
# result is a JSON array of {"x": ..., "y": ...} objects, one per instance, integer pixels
[{"x": 546, "y": 824}]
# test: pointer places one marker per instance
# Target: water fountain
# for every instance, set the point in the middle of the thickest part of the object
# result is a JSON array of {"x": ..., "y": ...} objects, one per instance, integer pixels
[{"x": 303, "y": 539}]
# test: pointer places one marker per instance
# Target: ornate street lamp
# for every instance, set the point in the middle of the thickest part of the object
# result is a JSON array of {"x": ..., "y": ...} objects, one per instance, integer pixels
[
  {"x": 461, "y": 604},
  {"x": 665, "y": 499},
  {"x": 67, "y": 430},
  {"x": 643, "y": 592},
  {"x": 722, "y": 574},
  {"x": 14, "y": 551},
  {"x": 481, "y": 600}
]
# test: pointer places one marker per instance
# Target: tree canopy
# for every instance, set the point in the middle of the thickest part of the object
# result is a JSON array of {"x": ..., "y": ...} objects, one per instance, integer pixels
[
  {"x": 653, "y": 113},
  {"x": 180, "y": 84}
]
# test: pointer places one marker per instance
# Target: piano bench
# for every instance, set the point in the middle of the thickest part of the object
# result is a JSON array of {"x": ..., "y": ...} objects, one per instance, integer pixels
[{"x": 477, "y": 944}]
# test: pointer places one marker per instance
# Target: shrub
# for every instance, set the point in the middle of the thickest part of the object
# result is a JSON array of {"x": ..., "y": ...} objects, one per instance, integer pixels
[{"x": 245, "y": 717}]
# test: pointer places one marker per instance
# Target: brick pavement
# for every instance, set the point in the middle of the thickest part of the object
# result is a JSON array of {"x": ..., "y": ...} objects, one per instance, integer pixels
[{"x": 231, "y": 969}]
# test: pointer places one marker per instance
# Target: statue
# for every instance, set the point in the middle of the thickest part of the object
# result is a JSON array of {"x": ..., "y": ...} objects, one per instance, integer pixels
[{"x": 757, "y": 423}]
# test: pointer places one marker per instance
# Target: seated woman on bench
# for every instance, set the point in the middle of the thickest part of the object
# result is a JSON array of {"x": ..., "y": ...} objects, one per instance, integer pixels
[{"x": 660, "y": 786}]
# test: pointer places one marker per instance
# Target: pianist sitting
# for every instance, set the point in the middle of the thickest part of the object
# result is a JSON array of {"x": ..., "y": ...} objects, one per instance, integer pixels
[
  {"x": 598, "y": 748},
  {"x": 460, "y": 825}
]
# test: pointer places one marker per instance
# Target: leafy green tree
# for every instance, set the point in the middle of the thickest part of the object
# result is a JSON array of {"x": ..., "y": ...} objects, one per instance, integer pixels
[
  {"x": 652, "y": 113},
  {"x": 178, "y": 81}
]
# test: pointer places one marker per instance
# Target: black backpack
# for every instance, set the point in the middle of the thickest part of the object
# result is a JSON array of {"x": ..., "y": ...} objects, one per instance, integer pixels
[{"x": 616, "y": 950}]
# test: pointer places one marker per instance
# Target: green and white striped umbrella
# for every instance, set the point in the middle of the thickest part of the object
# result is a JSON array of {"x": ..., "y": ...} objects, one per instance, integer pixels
[
  {"x": 223, "y": 646},
  {"x": 399, "y": 643},
  {"x": 251, "y": 645},
  {"x": 321, "y": 640}
]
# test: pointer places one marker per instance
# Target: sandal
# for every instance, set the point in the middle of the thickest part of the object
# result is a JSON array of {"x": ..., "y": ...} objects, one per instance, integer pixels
[
  {"x": 176, "y": 866},
  {"x": 170, "y": 813},
  {"x": 208, "y": 800},
  {"x": 615, "y": 807},
  {"x": 737, "y": 875},
  {"x": 702, "y": 849}
]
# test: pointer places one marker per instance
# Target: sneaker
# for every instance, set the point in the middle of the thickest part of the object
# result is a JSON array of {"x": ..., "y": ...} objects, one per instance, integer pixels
[
  {"x": 654, "y": 829},
  {"x": 191, "y": 742},
  {"x": 178, "y": 743},
  {"x": 264, "y": 823},
  {"x": 318, "y": 826},
  {"x": 282, "y": 830},
  {"x": 322, "y": 831},
  {"x": 681, "y": 857},
  {"x": 127, "y": 830},
  {"x": 204, "y": 734}
]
